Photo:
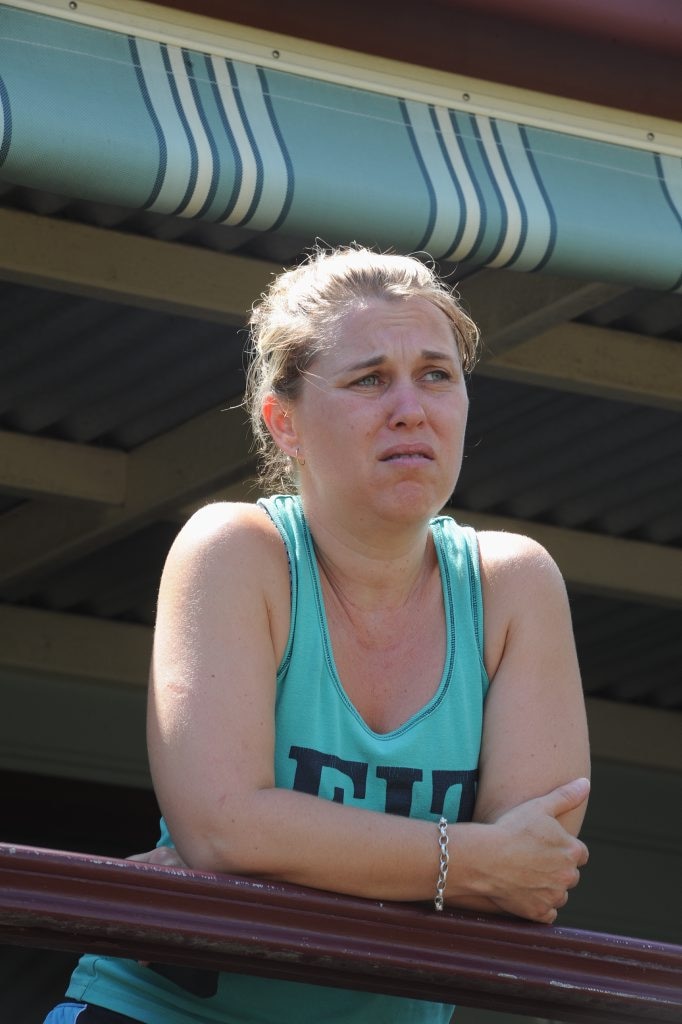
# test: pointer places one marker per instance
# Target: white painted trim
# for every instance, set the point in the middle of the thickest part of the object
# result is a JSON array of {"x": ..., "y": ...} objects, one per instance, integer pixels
[{"x": 363, "y": 71}]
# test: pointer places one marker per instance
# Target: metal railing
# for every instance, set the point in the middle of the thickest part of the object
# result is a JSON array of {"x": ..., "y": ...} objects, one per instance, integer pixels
[{"x": 68, "y": 901}]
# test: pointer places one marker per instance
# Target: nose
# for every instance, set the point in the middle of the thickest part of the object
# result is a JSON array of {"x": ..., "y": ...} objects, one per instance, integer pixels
[{"x": 406, "y": 408}]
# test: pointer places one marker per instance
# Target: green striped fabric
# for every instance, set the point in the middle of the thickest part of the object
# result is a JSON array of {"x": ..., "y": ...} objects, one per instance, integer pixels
[{"x": 104, "y": 116}]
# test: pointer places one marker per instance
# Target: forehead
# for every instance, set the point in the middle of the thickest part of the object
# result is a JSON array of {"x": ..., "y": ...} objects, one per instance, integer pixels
[{"x": 381, "y": 322}]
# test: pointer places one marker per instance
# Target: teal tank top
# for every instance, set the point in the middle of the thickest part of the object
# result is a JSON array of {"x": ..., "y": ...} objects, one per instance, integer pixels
[{"x": 426, "y": 768}]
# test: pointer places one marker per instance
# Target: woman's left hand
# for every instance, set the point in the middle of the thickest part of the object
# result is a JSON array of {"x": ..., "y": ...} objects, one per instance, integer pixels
[{"x": 166, "y": 856}]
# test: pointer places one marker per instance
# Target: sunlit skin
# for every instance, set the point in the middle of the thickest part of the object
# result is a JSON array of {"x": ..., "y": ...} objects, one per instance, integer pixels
[
  {"x": 380, "y": 418},
  {"x": 379, "y": 424},
  {"x": 375, "y": 435}
]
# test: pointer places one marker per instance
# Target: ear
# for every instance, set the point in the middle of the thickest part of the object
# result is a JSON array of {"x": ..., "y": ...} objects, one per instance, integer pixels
[{"x": 278, "y": 418}]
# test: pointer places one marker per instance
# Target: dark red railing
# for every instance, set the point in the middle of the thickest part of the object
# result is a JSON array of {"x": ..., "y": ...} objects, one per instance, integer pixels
[{"x": 75, "y": 902}]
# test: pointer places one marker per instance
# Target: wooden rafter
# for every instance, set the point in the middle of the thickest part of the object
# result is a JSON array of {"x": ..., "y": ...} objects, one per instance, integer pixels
[
  {"x": 37, "y": 643},
  {"x": 598, "y": 564},
  {"x": 510, "y": 307},
  {"x": 40, "y": 467},
  {"x": 190, "y": 461},
  {"x": 596, "y": 361},
  {"x": 103, "y": 264}
]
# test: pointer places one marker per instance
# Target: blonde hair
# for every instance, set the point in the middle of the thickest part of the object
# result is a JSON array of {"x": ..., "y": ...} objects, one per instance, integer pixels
[{"x": 296, "y": 317}]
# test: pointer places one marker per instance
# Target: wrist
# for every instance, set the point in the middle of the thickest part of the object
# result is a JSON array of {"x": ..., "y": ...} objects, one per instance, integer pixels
[{"x": 473, "y": 848}]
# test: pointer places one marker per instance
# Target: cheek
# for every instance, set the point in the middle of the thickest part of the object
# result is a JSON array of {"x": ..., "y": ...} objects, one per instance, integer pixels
[
  {"x": 463, "y": 407},
  {"x": 458, "y": 411}
]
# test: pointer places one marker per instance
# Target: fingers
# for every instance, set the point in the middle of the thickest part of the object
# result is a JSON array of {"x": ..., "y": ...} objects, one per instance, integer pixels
[
  {"x": 577, "y": 853},
  {"x": 574, "y": 881},
  {"x": 163, "y": 855},
  {"x": 548, "y": 915},
  {"x": 567, "y": 797},
  {"x": 542, "y": 906},
  {"x": 535, "y": 839},
  {"x": 578, "y": 856}
]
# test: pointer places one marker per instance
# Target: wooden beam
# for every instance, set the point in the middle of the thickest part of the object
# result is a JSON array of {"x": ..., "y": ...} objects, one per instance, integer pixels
[
  {"x": 595, "y": 563},
  {"x": 38, "y": 467},
  {"x": 596, "y": 361},
  {"x": 116, "y": 267},
  {"x": 646, "y": 737},
  {"x": 179, "y": 467},
  {"x": 74, "y": 647},
  {"x": 247, "y": 489},
  {"x": 173, "y": 277},
  {"x": 39, "y": 643},
  {"x": 510, "y": 307}
]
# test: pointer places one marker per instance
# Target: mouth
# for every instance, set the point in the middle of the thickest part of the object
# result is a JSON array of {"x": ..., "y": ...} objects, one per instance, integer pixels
[{"x": 408, "y": 453}]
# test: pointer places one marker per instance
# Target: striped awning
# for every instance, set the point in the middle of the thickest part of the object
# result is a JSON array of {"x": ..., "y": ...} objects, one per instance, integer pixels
[{"x": 107, "y": 116}]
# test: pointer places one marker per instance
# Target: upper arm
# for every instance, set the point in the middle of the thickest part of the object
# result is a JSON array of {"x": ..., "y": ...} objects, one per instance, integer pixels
[
  {"x": 212, "y": 684},
  {"x": 534, "y": 729}
]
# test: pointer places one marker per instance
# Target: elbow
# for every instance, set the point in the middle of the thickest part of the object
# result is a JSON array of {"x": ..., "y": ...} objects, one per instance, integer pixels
[
  {"x": 225, "y": 851},
  {"x": 204, "y": 851}
]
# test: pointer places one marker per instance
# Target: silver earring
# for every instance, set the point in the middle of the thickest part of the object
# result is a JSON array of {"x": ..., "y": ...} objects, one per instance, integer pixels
[{"x": 298, "y": 458}]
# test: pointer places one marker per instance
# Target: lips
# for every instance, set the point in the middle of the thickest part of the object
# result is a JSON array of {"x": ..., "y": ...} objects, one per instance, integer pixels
[{"x": 408, "y": 452}]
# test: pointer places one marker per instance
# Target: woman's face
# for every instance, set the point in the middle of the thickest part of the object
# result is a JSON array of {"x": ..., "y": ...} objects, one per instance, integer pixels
[{"x": 381, "y": 414}]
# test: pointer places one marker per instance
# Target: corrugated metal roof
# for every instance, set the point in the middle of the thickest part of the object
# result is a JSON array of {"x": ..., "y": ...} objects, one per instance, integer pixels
[
  {"x": 112, "y": 375},
  {"x": 95, "y": 372},
  {"x": 573, "y": 460},
  {"x": 105, "y": 374}
]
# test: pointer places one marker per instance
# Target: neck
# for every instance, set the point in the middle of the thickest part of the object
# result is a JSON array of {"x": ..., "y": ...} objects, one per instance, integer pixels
[{"x": 372, "y": 569}]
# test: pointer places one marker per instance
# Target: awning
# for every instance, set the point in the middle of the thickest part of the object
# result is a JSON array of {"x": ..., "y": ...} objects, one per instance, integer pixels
[{"x": 129, "y": 120}]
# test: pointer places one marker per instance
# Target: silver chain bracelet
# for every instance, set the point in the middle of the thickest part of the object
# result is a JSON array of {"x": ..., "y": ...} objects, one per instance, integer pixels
[{"x": 442, "y": 864}]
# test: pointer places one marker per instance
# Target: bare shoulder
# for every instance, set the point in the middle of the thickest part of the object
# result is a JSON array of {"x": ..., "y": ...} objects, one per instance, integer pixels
[
  {"x": 510, "y": 559},
  {"x": 224, "y": 519},
  {"x": 228, "y": 551},
  {"x": 523, "y": 594},
  {"x": 233, "y": 532},
  {"x": 228, "y": 564}
]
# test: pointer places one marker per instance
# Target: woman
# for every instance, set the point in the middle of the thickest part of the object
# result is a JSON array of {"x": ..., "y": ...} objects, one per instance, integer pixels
[{"x": 322, "y": 663}]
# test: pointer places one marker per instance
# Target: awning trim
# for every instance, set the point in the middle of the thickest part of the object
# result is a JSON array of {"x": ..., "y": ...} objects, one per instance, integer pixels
[
  {"x": 99, "y": 116},
  {"x": 357, "y": 70}
]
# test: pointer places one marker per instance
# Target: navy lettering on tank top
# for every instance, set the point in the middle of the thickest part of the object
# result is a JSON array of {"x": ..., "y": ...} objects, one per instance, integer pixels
[{"x": 399, "y": 781}]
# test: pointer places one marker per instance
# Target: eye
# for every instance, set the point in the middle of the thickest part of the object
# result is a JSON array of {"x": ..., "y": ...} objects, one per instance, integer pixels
[
  {"x": 370, "y": 380},
  {"x": 437, "y": 375}
]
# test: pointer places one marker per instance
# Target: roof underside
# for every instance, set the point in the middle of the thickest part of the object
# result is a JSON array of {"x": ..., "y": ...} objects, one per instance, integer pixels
[
  {"x": 570, "y": 457},
  {"x": 122, "y": 350}
]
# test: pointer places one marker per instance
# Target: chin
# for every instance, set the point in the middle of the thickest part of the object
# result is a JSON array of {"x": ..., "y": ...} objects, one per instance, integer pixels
[{"x": 411, "y": 504}]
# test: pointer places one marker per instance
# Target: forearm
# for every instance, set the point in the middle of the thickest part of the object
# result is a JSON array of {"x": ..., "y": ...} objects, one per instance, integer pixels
[
  {"x": 298, "y": 838},
  {"x": 522, "y": 864}
]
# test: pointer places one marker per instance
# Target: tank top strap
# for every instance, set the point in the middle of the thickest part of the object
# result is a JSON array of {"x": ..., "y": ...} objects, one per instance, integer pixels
[
  {"x": 458, "y": 555},
  {"x": 286, "y": 512}
]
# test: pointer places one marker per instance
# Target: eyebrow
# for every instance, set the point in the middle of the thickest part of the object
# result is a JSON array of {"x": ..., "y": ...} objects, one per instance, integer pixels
[{"x": 377, "y": 360}]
